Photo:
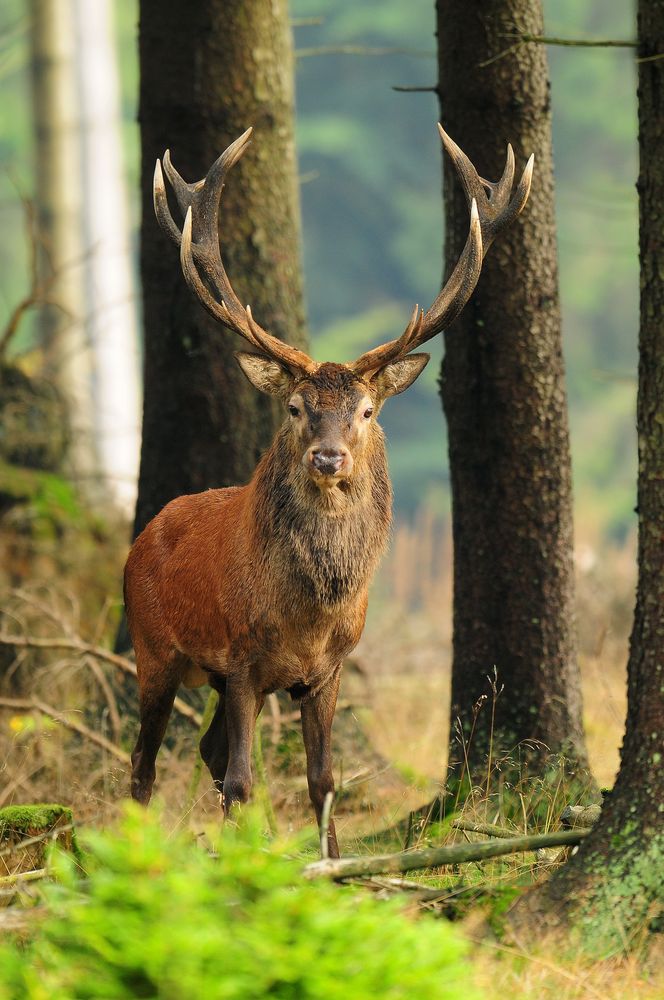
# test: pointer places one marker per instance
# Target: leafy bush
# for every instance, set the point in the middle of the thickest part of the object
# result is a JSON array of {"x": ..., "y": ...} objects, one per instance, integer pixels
[{"x": 158, "y": 917}]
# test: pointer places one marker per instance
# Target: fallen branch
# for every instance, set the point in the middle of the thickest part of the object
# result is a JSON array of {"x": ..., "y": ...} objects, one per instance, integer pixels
[
  {"x": 33, "y": 705},
  {"x": 486, "y": 829},
  {"x": 89, "y": 649},
  {"x": 433, "y": 857},
  {"x": 32, "y": 876}
]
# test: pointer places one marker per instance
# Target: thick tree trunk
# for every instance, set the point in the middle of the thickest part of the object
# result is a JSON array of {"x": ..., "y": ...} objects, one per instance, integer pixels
[
  {"x": 613, "y": 889},
  {"x": 208, "y": 71},
  {"x": 503, "y": 392}
]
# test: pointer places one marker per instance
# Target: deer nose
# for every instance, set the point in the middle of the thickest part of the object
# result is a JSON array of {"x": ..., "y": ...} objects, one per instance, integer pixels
[{"x": 328, "y": 461}]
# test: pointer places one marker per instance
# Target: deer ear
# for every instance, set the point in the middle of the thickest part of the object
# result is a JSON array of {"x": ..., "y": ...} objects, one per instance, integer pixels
[
  {"x": 394, "y": 378},
  {"x": 264, "y": 374}
]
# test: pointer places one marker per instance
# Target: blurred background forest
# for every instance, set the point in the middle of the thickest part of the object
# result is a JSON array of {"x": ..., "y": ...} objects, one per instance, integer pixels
[{"x": 372, "y": 217}]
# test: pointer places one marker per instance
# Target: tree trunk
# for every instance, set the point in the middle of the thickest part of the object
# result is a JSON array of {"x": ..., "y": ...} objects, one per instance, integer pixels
[
  {"x": 208, "y": 71},
  {"x": 111, "y": 300},
  {"x": 58, "y": 197},
  {"x": 503, "y": 392},
  {"x": 613, "y": 889}
]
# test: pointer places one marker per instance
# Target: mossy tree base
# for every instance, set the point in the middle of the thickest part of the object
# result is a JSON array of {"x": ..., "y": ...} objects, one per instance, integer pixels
[
  {"x": 608, "y": 904},
  {"x": 49, "y": 821}
]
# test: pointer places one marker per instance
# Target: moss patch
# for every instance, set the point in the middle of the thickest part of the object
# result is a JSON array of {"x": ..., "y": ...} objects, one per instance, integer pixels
[{"x": 19, "y": 823}]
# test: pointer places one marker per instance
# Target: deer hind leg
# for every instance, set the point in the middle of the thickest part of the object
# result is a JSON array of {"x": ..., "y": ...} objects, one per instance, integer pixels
[
  {"x": 158, "y": 686},
  {"x": 214, "y": 744},
  {"x": 317, "y": 714}
]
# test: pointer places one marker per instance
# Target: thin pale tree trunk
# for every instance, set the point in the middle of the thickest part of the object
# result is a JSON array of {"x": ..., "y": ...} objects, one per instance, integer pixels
[
  {"x": 58, "y": 197},
  {"x": 109, "y": 286}
]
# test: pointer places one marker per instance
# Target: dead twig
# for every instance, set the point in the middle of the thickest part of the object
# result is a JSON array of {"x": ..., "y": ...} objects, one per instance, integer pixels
[
  {"x": 79, "y": 646},
  {"x": 23, "y": 876},
  {"x": 102, "y": 681},
  {"x": 34, "y": 705},
  {"x": 325, "y": 825},
  {"x": 433, "y": 857}
]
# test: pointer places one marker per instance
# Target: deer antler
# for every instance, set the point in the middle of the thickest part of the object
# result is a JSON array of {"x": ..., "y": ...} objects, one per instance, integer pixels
[
  {"x": 200, "y": 253},
  {"x": 492, "y": 209}
]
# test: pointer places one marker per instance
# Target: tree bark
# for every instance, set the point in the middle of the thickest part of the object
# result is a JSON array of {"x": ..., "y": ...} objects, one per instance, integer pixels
[
  {"x": 503, "y": 392},
  {"x": 613, "y": 889},
  {"x": 208, "y": 71}
]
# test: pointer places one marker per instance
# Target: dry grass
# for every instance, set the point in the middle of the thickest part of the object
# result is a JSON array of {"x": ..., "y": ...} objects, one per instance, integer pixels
[
  {"x": 541, "y": 973},
  {"x": 406, "y": 649}
]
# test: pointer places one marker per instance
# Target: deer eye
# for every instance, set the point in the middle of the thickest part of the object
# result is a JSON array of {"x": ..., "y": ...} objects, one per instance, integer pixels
[
  {"x": 293, "y": 410},
  {"x": 368, "y": 412}
]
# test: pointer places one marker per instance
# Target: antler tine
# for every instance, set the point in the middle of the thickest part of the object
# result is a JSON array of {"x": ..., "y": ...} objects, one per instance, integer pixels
[
  {"x": 501, "y": 191},
  {"x": 184, "y": 192},
  {"x": 497, "y": 208},
  {"x": 493, "y": 207},
  {"x": 275, "y": 348},
  {"x": 204, "y": 198},
  {"x": 200, "y": 251},
  {"x": 218, "y": 310},
  {"x": 379, "y": 356},
  {"x": 161, "y": 209},
  {"x": 244, "y": 324}
]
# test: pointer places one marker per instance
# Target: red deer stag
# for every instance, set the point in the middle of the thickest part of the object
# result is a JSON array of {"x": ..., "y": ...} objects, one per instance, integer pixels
[{"x": 264, "y": 587}]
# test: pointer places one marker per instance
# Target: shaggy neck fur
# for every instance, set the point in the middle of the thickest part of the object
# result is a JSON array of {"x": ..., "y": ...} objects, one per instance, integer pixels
[{"x": 324, "y": 544}]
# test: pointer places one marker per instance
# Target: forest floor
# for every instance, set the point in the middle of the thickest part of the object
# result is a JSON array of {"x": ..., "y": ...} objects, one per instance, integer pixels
[{"x": 391, "y": 741}]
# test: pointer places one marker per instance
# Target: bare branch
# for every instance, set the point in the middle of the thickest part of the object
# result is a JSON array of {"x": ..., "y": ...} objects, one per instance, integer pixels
[
  {"x": 523, "y": 38},
  {"x": 32, "y": 876},
  {"x": 580, "y": 43},
  {"x": 325, "y": 825},
  {"x": 361, "y": 50},
  {"x": 433, "y": 857},
  {"x": 79, "y": 646},
  {"x": 33, "y": 705},
  {"x": 416, "y": 90}
]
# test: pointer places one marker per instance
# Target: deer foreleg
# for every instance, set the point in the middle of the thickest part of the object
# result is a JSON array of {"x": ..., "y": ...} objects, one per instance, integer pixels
[
  {"x": 317, "y": 715},
  {"x": 242, "y": 707}
]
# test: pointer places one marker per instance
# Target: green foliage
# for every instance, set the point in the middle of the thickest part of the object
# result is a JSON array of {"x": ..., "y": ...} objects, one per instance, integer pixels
[
  {"x": 48, "y": 501},
  {"x": 158, "y": 917}
]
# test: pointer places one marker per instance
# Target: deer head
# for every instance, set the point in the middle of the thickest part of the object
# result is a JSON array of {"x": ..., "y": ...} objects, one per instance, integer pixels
[{"x": 331, "y": 407}]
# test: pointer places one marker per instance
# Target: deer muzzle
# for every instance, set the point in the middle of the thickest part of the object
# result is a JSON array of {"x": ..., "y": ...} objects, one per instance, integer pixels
[{"x": 329, "y": 462}]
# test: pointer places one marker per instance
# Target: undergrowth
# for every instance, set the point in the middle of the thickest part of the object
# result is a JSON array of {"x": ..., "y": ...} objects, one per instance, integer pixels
[{"x": 158, "y": 916}]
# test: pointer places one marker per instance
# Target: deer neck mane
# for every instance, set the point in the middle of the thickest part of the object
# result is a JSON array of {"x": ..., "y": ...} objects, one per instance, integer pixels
[{"x": 325, "y": 545}]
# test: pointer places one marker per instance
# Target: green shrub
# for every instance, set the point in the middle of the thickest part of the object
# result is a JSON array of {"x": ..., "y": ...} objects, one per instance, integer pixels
[{"x": 158, "y": 917}]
